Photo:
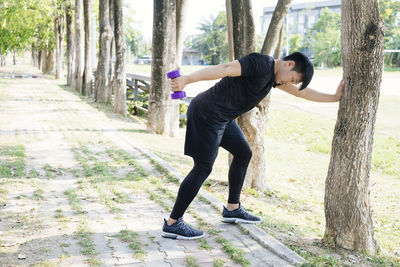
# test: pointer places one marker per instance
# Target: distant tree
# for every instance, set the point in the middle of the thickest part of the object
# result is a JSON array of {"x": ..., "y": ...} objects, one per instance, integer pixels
[
  {"x": 324, "y": 39},
  {"x": 87, "y": 79},
  {"x": 70, "y": 42},
  {"x": 296, "y": 43},
  {"x": 59, "y": 30},
  {"x": 213, "y": 41},
  {"x": 79, "y": 47},
  {"x": 102, "y": 89},
  {"x": 120, "y": 48},
  {"x": 390, "y": 13}
]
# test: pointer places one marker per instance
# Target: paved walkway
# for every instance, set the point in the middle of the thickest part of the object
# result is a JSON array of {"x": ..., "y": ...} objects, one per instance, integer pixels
[{"x": 87, "y": 196}]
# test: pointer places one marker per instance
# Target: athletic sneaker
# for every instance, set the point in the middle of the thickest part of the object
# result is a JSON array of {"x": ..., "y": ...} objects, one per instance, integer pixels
[
  {"x": 180, "y": 230},
  {"x": 239, "y": 215}
]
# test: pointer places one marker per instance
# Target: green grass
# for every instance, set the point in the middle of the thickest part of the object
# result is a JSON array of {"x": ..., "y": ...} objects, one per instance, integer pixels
[
  {"x": 74, "y": 201},
  {"x": 218, "y": 263},
  {"x": 191, "y": 261},
  {"x": 38, "y": 194},
  {"x": 234, "y": 253},
  {"x": 132, "y": 238},
  {"x": 12, "y": 161},
  {"x": 50, "y": 171},
  {"x": 204, "y": 244}
]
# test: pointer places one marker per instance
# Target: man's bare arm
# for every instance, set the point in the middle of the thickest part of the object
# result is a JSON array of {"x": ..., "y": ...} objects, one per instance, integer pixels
[
  {"x": 231, "y": 69},
  {"x": 313, "y": 95}
]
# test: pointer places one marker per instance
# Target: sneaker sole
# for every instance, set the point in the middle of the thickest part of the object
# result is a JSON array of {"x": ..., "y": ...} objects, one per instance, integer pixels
[
  {"x": 238, "y": 220},
  {"x": 176, "y": 236}
]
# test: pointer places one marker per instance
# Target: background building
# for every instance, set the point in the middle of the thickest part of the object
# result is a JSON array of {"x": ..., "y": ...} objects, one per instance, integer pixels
[{"x": 301, "y": 16}]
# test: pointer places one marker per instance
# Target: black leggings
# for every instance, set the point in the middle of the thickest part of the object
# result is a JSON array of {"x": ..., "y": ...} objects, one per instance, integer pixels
[{"x": 233, "y": 141}]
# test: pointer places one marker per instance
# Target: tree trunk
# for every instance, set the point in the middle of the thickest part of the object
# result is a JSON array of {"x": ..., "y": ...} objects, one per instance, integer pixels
[
  {"x": 102, "y": 89},
  {"x": 79, "y": 57},
  {"x": 59, "y": 36},
  {"x": 275, "y": 26},
  {"x": 279, "y": 46},
  {"x": 243, "y": 44},
  {"x": 14, "y": 58},
  {"x": 253, "y": 122},
  {"x": 120, "y": 48},
  {"x": 70, "y": 44},
  {"x": 181, "y": 6},
  {"x": 87, "y": 74},
  {"x": 347, "y": 201},
  {"x": 112, "y": 46},
  {"x": 163, "y": 116},
  {"x": 228, "y": 5},
  {"x": 47, "y": 61},
  {"x": 40, "y": 52}
]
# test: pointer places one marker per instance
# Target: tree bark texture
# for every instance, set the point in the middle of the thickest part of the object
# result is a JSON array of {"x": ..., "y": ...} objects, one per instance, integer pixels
[
  {"x": 275, "y": 26},
  {"x": 79, "y": 50},
  {"x": 347, "y": 196},
  {"x": 112, "y": 45},
  {"x": 47, "y": 61},
  {"x": 253, "y": 122},
  {"x": 59, "y": 36},
  {"x": 181, "y": 6},
  {"x": 279, "y": 46},
  {"x": 228, "y": 5},
  {"x": 87, "y": 83},
  {"x": 102, "y": 84},
  {"x": 70, "y": 45},
  {"x": 243, "y": 36},
  {"x": 163, "y": 114},
  {"x": 120, "y": 48}
]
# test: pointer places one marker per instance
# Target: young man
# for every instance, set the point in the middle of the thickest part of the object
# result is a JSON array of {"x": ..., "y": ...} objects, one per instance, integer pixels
[{"x": 211, "y": 123}]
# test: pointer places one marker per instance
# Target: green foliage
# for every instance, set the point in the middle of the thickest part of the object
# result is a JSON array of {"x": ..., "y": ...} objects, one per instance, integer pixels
[
  {"x": 213, "y": 41},
  {"x": 27, "y": 22},
  {"x": 134, "y": 38},
  {"x": 390, "y": 13},
  {"x": 182, "y": 110},
  {"x": 295, "y": 42},
  {"x": 324, "y": 39}
]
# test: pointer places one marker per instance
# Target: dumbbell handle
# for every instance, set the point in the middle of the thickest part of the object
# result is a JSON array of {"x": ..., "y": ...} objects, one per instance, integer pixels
[{"x": 178, "y": 94}]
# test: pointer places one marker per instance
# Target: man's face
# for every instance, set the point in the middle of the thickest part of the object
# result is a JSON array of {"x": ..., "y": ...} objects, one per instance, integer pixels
[{"x": 286, "y": 75}]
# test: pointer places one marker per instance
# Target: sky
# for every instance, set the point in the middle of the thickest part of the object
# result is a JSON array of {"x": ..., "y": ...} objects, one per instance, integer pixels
[{"x": 198, "y": 10}]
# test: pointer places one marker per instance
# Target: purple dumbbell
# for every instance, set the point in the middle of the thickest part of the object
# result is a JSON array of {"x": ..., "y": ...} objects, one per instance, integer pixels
[{"x": 178, "y": 94}]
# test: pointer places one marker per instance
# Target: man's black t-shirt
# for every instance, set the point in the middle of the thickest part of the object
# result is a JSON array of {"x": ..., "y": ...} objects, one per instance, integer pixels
[{"x": 233, "y": 96}]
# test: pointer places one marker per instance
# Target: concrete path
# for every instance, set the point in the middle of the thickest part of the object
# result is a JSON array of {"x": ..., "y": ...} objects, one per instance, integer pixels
[{"x": 89, "y": 196}]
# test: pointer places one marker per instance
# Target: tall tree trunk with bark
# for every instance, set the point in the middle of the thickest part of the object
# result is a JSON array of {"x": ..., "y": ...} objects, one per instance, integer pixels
[
  {"x": 102, "y": 89},
  {"x": 70, "y": 44},
  {"x": 59, "y": 36},
  {"x": 181, "y": 6},
  {"x": 87, "y": 74},
  {"x": 228, "y": 5},
  {"x": 79, "y": 50},
  {"x": 120, "y": 48},
  {"x": 243, "y": 44},
  {"x": 279, "y": 46},
  {"x": 47, "y": 60},
  {"x": 163, "y": 115},
  {"x": 347, "y": 197},
  {"x": 253, "y": 122},
  {"x": 112, "y": 44}
]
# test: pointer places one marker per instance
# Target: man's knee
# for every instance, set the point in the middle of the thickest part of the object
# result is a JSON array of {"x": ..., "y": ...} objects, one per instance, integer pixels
[
  {"x": 247, "y": 154},
  {"x": 203, "y": 167}
]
